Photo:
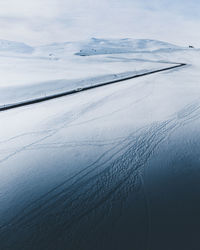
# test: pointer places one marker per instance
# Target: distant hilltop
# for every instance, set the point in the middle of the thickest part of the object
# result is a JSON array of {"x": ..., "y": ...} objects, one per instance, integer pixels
[
  {"x": 17, "y": 47},
  {"x": 113, "y": 46},
  {"x": 93, "y": 46}
]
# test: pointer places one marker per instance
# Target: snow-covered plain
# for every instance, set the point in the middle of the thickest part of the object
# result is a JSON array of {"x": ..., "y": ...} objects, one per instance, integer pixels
[{"x": 95, "y": 170}]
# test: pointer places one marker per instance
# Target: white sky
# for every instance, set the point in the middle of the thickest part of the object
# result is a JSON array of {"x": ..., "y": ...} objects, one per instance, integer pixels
[{"x": 46, "y": 21}]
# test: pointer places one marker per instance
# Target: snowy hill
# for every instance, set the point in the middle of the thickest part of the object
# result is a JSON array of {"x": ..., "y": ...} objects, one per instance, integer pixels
[
  {"x": 94, "y": 46},
  {"x": 15, "y": 47},
  {"x": 102, "y": 46},
  {"x": 58, "y": 49}
]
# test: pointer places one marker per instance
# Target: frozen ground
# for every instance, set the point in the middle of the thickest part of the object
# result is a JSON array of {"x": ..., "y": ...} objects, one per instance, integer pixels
[{"x": 111, "y": 168}]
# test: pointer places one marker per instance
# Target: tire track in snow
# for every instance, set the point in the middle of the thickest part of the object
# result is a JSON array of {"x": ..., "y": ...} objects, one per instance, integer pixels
[
  {"x": 67, "y": 118},
  {"x": 101, "y": 188}
]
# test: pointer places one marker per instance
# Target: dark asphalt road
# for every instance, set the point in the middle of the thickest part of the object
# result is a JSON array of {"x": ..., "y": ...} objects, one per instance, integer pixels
[{"x": 75, "y": 91}]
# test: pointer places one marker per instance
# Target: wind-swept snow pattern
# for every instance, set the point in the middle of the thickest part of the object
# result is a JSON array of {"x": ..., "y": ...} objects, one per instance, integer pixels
[{"x": 105, "y": 169}]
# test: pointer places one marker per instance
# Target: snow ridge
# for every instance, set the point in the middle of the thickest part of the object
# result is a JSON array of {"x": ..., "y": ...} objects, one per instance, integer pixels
[{"x": 16, "y": 47}]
